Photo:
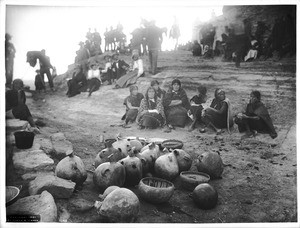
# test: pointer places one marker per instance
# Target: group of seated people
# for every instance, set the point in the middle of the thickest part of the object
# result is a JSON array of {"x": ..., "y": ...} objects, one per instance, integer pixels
[
  {"x": 115, "y": 71},
  {"x": 158, "y": 108}
]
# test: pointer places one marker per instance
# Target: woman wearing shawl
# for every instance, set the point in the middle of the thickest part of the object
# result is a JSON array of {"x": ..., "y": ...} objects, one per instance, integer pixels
[
  {"x": 218, "y": 115},
  {"x": 176, "y": 104},
  {"x": 256, "y": 118},
  {"x": 134, "y": 73},
  {"x": 132, "y": 103},
  {"x": 196, "y": 107},
  {"x": 151, "y": 112}
]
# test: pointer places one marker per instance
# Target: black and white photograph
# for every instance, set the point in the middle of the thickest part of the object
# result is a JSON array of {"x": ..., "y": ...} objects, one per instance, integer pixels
[{"x": 149, "y": 113}]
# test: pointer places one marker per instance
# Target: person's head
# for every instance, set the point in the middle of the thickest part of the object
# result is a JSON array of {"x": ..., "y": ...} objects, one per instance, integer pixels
[
  {"x": 255, "y": 96},
  {"x": 43, "y": 51},
  {"x": 37, "y": 71},
  {"x": 81, "y": 44},
  {"x": 150, "y": 93},
  {"x": 17, "y": 84},
  {"x": 176, "y": 85},
  {"x": 7, "y": 36},
  {"x": 107, "y": 58},
  {"x": 220, "y": 94},
  {"x": 133, "y": 90},
  {"x": 115, "y": 57},
  {"x": 202, "y": 92},
  {"x": 135, "y": 56},
  {"x": 155, "y": 84}
]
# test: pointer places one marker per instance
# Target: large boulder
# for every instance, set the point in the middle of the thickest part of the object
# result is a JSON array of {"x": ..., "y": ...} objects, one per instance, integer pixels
[
  {"x": 45, "y": 144},
  {"x": 58, "y": 187},
  {"x": 42, "y": 205},
  {"x": 37, "y": 160},
  {"x": 16, "y": 125},
  {"x": 32, "y": 175}
]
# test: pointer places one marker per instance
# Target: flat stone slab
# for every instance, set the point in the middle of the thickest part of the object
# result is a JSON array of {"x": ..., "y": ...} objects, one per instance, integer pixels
[
  {"x": 42, "y": 205},
  {"x": 32, "y": 175},
  {"x": 26, "y": 162},
  {"x": 46, "y": 144},
  {"x": 16, "y": 125},
  {"x": 61, "y": 145},
  {"x": 58, "y": 187}
]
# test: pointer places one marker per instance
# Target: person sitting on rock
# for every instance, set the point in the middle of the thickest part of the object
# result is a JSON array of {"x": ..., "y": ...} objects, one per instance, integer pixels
[
  {"x": 136, "y": 71},
  {"x": 151, "y": 112},
  {"x": 218, "y": 115},
  {"x": 16, "y": 102},
  {"x": 256, "y": 118},
  {"x": 93, "y": 79},
  {"x": 132, "y": 103},
  {"x": 176, "y": 105},
  {"x": 78, "y": 83},
  {"x": 119, "y": 67},
  {"x": 196, "y": 107},
  {"x": 106, "y": 73},
  {"x": 159, "y": 92}
]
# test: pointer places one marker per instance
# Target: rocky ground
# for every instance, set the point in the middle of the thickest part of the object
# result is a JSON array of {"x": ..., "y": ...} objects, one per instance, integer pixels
[{"x": 259, "y": 180}]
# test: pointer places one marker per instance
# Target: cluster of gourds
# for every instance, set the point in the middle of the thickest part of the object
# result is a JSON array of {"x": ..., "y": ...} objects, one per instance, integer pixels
[{"x": 124, "y": 163}]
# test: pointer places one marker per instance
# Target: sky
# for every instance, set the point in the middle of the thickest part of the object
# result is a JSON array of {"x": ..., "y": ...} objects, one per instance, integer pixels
[{"x": 58, "y": 29}]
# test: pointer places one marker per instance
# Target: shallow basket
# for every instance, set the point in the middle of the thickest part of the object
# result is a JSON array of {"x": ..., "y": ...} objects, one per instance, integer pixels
[
  {"x": 172, "y": 144},
  {"x": 12, "y": 193},
  {"x": 155, "y": 190},
  {"x": 190, "y": 180}
]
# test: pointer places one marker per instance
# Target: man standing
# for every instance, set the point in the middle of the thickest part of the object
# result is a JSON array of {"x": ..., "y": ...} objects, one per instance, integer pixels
[
  {"x": 153, "y": 38},
  {"x": 9, "y": 60},
  {"x": 45, "y": 66}
]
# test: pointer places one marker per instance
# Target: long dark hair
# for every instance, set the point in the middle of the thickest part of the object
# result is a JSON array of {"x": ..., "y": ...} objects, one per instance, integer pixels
[{"x": 147, "y": 97}]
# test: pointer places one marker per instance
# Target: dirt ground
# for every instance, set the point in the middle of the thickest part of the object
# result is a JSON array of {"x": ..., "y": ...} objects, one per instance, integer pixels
[{"x": 259, "y": 182}]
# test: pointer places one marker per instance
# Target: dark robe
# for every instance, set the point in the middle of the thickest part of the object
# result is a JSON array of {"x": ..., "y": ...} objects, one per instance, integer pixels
[
  {"x": 120, "y": 70},
  {"x": 263, "y": 125}
]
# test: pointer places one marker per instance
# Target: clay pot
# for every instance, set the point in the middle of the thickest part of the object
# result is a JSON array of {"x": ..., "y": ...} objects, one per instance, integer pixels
[
  {"x": 184, "y": 160},
  {"x": 155, "y": 190},
  {"x": 205, "y": 196},
  {"x": 107, "y": 191},
  {"x": 210, "y": 163},
  {"x": 148, "y": 156},
  {"x": 102, "y": 156},
  {"x": 136, "y": 143},
  {"x": 71, "y": 168},
  {"x": 123, "y": 145},
  {"x": 166, "y": 166},
  {"x": 108, "y": 174},
  {"x": 120, "y": 206},
  {"x": 190, "y": 180},
  {"x": 133, "y": 169}
]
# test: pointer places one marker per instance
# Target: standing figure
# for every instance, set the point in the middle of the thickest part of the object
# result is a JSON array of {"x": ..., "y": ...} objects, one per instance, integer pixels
[
  {"x": 39, "y": 82},
  {"x": 153, "y": 38},
  {"x": 9, "y": 60},
  {"x": 175, "y": 33},
  {"x": 45, "y": 67}
]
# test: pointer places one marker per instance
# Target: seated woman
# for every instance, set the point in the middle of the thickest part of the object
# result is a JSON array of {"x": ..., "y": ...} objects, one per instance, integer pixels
[
  {"x": 159, "y": 92},
  {"x": 93, "y": 79},
  {"x": 196, "y": 107},
  {"x": 134, "y": 73},
  {"x": 106, "y": 73},
  {"x": 218, "y": 115},
  {"x": 255, "y": 118},
  {"x": 151, "y": 112},
  {"x": 78, "y": 83},
  {"x": 132, "y": 103},
  {"x": 16, "y": 101},
  {"x": 176, "y": 105},
  {"x": 119, "y": 67}
]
